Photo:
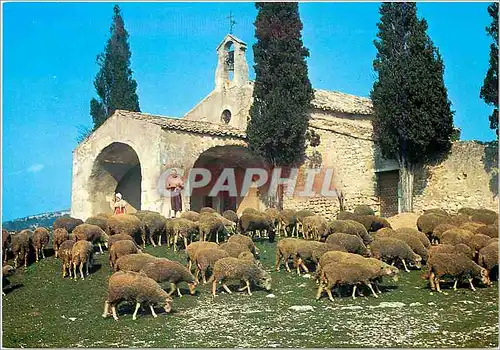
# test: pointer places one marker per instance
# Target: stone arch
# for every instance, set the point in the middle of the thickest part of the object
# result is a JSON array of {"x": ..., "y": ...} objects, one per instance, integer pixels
[
  {"x": 215, "y": 159},
  {"x": 116, "y": 168}
]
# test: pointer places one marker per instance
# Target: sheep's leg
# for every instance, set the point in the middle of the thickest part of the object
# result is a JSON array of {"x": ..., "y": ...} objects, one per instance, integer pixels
[
  {"x": 172, "y": 289},
  {"x": 175, "y": 241},
  {"x": 43, "y": 254},
  {"x": 404, "y": 264},
  {"x": 178, "y": 291},
  {"x": 185, "y": 243},
  {"x": 25, "y": 259},
  {"x": 74, "y": 271},
  {"x": 81, "y": 270},
  {"x": 143, "y": 236},
  {"x": 226, "y": 288},
  {"x": 318, "y": 293},
  {"x": 153, "y": 311},
  {"x": 106, "y": 309},
  {"x": 137, "y": 306},
  {"x": 432, "y": 276},
  {"x": 159, "y": 240},
  {"x": 214, "y": 287},
  {"x": 204, "y": 276},
  {"x": 151, "y": 240},
  {"x": 113, "y": 310},
  {"x": 63, "y": 270},
  {"x": 278, "y": 260},
  {"x": 248, "y": 287},
  {"x": 455, "y": 285},
  {"x": 15, "y": 261},
  {"x": 376, "y": 287},
  {"x": 36, "y": 254},
  {"x": 436, "y": 281},
  {"x": 197, "y": 273},
  {"x": 371, "y": 287},
  {"x": 288, "y": 266},
  {"x": 87, "y": 267},
  {"x": 471, "y": 285},
  {"x": 304, "y": 267},
  {"x": 329, "y": 292},
  {"x": 217, "y": 237},
  {"x": 354, "y": 292},
  {"x": 190, "y": 265},
  {"x": 100, "y": 248}
]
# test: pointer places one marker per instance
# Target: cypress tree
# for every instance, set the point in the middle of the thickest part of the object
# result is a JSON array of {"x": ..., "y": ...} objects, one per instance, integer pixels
[
  {"x": 412, "y": 120},
  {"x": 114, "y": 83},
  {"x": 282, "y": 91},
  {"x": 489, "y": 90}
]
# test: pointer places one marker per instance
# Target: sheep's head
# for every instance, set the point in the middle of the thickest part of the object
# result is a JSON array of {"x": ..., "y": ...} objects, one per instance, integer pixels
[
  {"x": 417, "y": 261},
  {"x": 192, "y": 287},
  {"x": 167, "y": 306},
  {"x": 264, "y": 281},
  {"x": 484, "y": 277}
]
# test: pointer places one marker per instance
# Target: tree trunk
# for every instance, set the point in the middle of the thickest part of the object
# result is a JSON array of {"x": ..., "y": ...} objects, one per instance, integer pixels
[{"x": 406, "y": 175}]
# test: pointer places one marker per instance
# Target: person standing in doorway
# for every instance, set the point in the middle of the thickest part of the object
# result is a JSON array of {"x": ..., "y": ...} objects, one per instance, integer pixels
[
  {"x": 119, "y": 205},
  {"x": 175, "y": 185}
]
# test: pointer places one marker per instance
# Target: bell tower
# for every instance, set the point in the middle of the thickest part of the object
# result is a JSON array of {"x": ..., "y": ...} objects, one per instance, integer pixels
[{"x": 232, "y": 67}]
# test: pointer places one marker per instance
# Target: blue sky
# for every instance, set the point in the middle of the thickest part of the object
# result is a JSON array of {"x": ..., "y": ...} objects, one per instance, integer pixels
[{"x": 49, "y": 52}]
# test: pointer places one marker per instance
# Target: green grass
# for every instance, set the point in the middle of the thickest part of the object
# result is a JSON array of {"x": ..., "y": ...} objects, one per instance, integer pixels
[{"x": 48, "y": 311}]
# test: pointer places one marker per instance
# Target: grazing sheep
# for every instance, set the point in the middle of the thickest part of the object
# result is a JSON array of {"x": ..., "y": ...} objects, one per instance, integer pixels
[
  {"x": 6, "y": 243},
  {"x": 252, "y": 222},
  {"x": 467, "y": 211},
  {"x": 91, "y": 233},
  {"x": 273, "y": 214},
  {"x": 414, "y": 243},
  {"x": 211, "y": 225},
  {"x": 82, "y": 253},
  {"x": 65, "y": 254},
  {"x": 164, "y": 270},
  {"x": 456, "y": 266},
  {"x": 67, "y": 223},
  {"x": 288, "y": 221},
  {"x": 485, "y": 216},
  {"x": 154, "y": 227},
  {"x": 141, "y": 213},
  {"x": 185, "y": 229},
  {"x": 121, "y": 248},
  {"x": 248, "y": 256},
  {"x": 479, "y": 241},
  {"x": 193, "y": 248},
  {"x": 390, "y": 249},
  {"x": 451, "y": 249},
  {"x": 128, "y": 224},
  {"x": 234, "y": 248},
  {"x": 244, "y": 271},
  {"x": 321, "y": 250},
  {"x": 303, "y": 252},
  {"x": 456, "y": 236},
  {"x": 250, "y": 211},
  {"x": 355, "y": 228},
  {"x": 244, "y": 240},
  {"x": 314, "y": 227},
  {"x": 133, "y": 262},
  {"x": 488, "y": 230},
  {"x": 416, "y": 233},
  {"x": 458, "y": 219},
  {"x": 100, "y": 221},
  {"x": 363, "y": 209},
  {"x": 301, "y": 215},
  {"x": 488, "y": 258},
  {"x": 21, "y": 246},
  {"x": 351, "y": 243},
  {"x": 58, "y": 237},
  {"x": 120, "y": 237},
  {"x": 205, "y": 258},
  {"x": 135, "y": 287},
  {"x": 207, "y": 210},
  {"x": 190, "y": 215},
  {"x": 437, "y": 211},
  {"x": 427, "y": 222},
  {"x": 472, "y": 226},
  {"x": 347, "y": 215},
  {"x": 231, "y": 216},
  {"x": 286, "y": 249},
  {"x": 376, "y": 223},
  {"x": 352, "y": 273},
  {"x": 335, "y": 226},
  {"x": 7, "y": 271},
  {"x": 40, "y": 240}
]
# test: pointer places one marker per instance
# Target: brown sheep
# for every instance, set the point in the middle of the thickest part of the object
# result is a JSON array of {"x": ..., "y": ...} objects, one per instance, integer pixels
[
  {"x": 244, "y": 240},
  {"x": 437, "y": 211},
  {"x": 205, "y": 258},
  {"x": 58, "y": 237},
  {"x": 234, "y": 248},
  {"x": 414, "y": 232},
  {"x": 414, "y": 243},
  {"x": 244, "y": 271},
  {"x": 91, "y": 233},
  {"x": 128, "y": 224},
  {"x": 120, "y": 249},
  {"x": 164, "y": 270},
  {"x": 363, "y": 209},
  {"x": 100, "y": 221},
  {"x": 82, "y": 253},
  {"x": 456, "y": 236},
  {"x": 65, "y": 254},
  {"x": 350, "y": 227},
  {"x": 183, "y": 228},
  {"x": 488, "y": 258},
  {"x": 256, "y": 222},
  {"x": 133, "y": 262},
  {"x": 273, "y": 214},
  {"x": 207, "y": 210},
  {"x": 472, "y": 226},
  {"x": 135, "y": 287},
  {"x": 67, "y": 223},
  {"x": 40, "y": 240},
  {"x": 301, "y": 215},
  {"x": 21, "y": 246},
  {"x": 190, "y": 215},
  {"x": 488, "y": 230},
  {"x": 438, "y": 231},
  {"x": 286, "y": 249},
  {"x": 427, "y": 222},
  {"x": 231, "y": 216},
  {"x": 485, "y": 216},
  {"x": 7, "y": 271},
  {"x": 452, "y": 249},
  {"x": 479, "y": 241},
  {"x": 351, "y": 243},
  {"x": 120, "y": 237},
  {"x": 154, "y": 227},
  {"x": 6, "y": 243},
  {"x": 458, "y": 220},
  {"x": 457, "y": 266},
  {"x": 392, "y": 249},
  {"x": 211, "y": 225},
  {"x": 193, "y": 248},
  {"x": 304, "y": 251},
  {"x": 288, "y": 222},
  {"x": 314, "y": 227}
]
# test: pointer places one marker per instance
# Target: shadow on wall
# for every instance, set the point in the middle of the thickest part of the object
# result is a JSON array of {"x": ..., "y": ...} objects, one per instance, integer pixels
[{"x": 490, "y": 162}]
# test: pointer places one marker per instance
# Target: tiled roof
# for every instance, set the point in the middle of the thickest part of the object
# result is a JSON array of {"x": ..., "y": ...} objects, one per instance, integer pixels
[
  {"x": 341, "y": 102},
  {"x": 194, "y": 126}
]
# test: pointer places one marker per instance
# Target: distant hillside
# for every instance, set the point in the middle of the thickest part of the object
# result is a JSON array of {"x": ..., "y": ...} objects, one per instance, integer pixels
[{"x": 34, "y": 221}]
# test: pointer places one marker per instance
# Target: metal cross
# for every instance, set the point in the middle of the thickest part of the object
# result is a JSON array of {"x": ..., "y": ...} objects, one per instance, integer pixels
[{"x": 232, "y": 22}]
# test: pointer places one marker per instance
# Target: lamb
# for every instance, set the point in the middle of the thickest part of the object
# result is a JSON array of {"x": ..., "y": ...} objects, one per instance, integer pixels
[
  {"x": 363, "y": 209},
  {"x": 67, "y": 223},
  {"x": 288, "y": 221},
  {"x": 488, "y": 230},
  {"x": 120, "y": 237},
  {"x": 133, "y": 262},
  {"x": 352, "y": 244},
  {"x": 207, "y": 210},
  {"x": 336, "y": 274},
  {"x": 7, "y": 271},
  {"x": 456, "y": 236},
  {"x": 6, "y": 243},
  {"x": 234, "y": 268},
  {"x": 65, "y": 254},
  {"x": 234, "y": 248},
  {"x": 452, "y": 249},
  {"x": 205, "y": 258},
  {"x": 91, "y": 233},
  {"x": 190, "y": 215},
  {"x": 21, "y": 246},
  {"x": 183, "y": 228},
  {"x": 488, "y": 258},
  {"x": 82, "y": 253},
  {"x": 251, "y": 222},
  {"x": 120, "y": 249},
  {"x": 135, "y": 287},
  {"x": 244, "y": 240},
  {"x": 100, "y": 221},
  {"x": 392, "y": 249},
  {"x": 414, "y": 243},
  {"x": 164, "y": 270},
  {"x": 314, "y": 227},
  {"x": 128, "y": 224},
  {"x": 58, "y": 237},
  {"x": 285, "y": 249},
  {"x": 40, "y": 240},
  {"x": 154, "y": 227},
  {"x": 193, "y": 248},
  {"x": 416, "y": 233},
  {"x": 456, "y": 266}
]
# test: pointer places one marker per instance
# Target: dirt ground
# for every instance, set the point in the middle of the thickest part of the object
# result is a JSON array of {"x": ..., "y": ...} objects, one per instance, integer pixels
[{"x": 44, "y": 310}]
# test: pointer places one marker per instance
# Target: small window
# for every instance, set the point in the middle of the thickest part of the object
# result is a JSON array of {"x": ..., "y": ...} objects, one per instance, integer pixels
[{"x": 226, "y": 116}]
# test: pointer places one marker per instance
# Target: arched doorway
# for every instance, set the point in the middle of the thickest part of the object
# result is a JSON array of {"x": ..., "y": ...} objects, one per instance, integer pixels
[
  {"x": 116, "y": 169},
  {"x": 216, "y": 159}
]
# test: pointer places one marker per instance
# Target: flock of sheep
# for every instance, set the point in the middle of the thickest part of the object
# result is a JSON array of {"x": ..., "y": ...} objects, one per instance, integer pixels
[{"x": 355, "y": 249}]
